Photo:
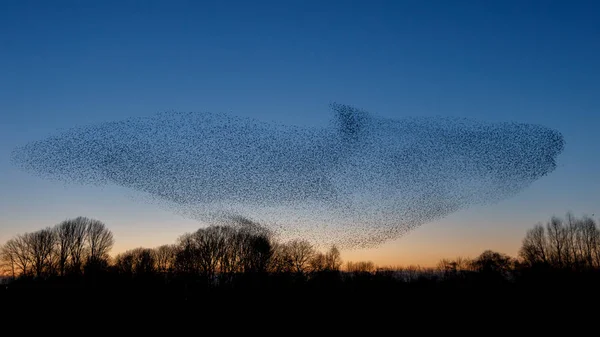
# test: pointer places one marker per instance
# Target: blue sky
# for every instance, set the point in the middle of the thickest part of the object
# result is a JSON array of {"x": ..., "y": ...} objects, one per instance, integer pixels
[{"x": 66, "y": 64}]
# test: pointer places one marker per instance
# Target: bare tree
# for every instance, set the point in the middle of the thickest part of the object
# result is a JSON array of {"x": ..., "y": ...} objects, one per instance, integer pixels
[
  {"x": 361, "y": 267},
  {"x": 63, "y": 249},
  {"x": 100, "y": 241},
  {"x": 211, "y": 247},
  {"x": 281, "y": 261},
  {"x": 455, "y": 268},
  {"x": 299, "y": 252},
  {"x": 333, "y": 259},
  {"x": 534, "y": 250},
  {"x": 18, "y": 250},
  {"x": 318, "y": 263},
  {"x": 145, "y": 263},
  {"x": 256, "y": 249},
  {"x": 8, "y": 260},
  {"x": 41, "y": 247},
  {"x": 238, "y": 251},
  {"x": 186, "y": 260},
  {"x": 124, "y": 263},
  {"x": 587, "y": 241},
  {"x": 493, "y": 264},
  {"x": 557, "y": 241},
  {"x": 71, "y": 244},
  {"x": 165, "y": 258},
  {"x": 78, "y": 251},
  {"x": 571, "y": 244},
  {"x": 596, "y": 249}
]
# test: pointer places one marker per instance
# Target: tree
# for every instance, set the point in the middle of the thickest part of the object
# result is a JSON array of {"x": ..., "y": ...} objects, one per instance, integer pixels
[
  {"x": 100, "y": 241},
  {"x": 124, "y": 263},
  {"x": 256, "y": 249},
  {"x": 8, "y": 260},
  {"x": 78, "y": 249},
  {"x": 455, "y": 268},
  {"x": 361, "y": 267},
  {"x": 534, "y": 250},
  {"x": 299, "y": 253},
  {"x": 41, "y": 247},
  {"x": 587, "y": 242},
  {"x": 318, "y": 263},
  {"x": 17, "y": 251},
  {"x": 281, "y": 261},
  {"x": 145, "y": 263},
  {"x": 557, "y": 241},
  {"x": 71, "y": 243},
  {"x": 165, "y": 258},
  {"x": 493, "y": 264},
  {"x": 571, "y": 244},
  {"x": 186, "y": 261},
  {"x": 211, "y": 246},
  {"x": 333, "y": 259}
]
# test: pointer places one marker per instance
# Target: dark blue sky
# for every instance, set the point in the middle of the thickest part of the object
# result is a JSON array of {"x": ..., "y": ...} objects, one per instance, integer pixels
[{"x": 64, "y": 64}]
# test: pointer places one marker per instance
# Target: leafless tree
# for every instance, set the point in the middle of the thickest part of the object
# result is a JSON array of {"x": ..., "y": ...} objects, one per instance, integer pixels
[
  {"x": 78, "y": 252},
  {"x": 71, "y": 244},
  {"x": 99, "y": 240},
  {"x": 145, "y": 263},
  {"x": 458, "y": 267},
  {"x": 186, "y": 260},
  {"x": 8, "y": 260},
  {"x": 211, "y": 247},
  {"x": 18, "y": 251},
  {"x": 281, "y": 261},
  {"x": 333, "y": 259},
  {"x": 137, "y": 261},
  {"x": 124, "y": 263},
  {"x": 557, "y": 241},
  {"x": 318, "y": 263},
  {"x": 41, "y": 247},
  {"x": 534, "y": 250},
  {"x": 299, "y": 253},
  {"x": 165, "y": 258},
  {"x": 256, "y": 249},
  {"x": 361, "y": 267},
  {"x": 587, "y": 241},
  {"x": 494, "y": 264},
  {"x": 570, "y": 244}
]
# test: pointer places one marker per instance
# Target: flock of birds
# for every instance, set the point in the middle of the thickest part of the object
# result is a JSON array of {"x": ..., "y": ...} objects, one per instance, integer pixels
[{"x": 356, "y": 183}]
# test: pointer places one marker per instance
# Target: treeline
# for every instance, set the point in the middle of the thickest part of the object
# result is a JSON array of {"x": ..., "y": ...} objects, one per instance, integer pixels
[
  {"x": 564, "y": 245},
  {"x": 216, "y": 254},
  {"x": 237, "y": 256},
  {"x": 69, "y": 248}
]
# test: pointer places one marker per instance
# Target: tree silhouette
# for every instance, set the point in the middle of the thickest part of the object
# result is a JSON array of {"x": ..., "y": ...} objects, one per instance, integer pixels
[
  {"x": 299, "y": 253},
  {"x": 17, "y": 251},
  {"x": 493, "y": 265},
  {"x": 41, "y": 247},
  {"x": 534, "y": 250},
  {"x": 573, "y": 244},
  {"x": 245, "y": 255},
  {"x": 71, "y": 238},
  {"x": 165, "y": 258},
  {"x": 100, "y": 241},
  {"x": 8, "y": 259},
  {"x": 318, "y": 263},
  {"x": 333, "y": 259}
]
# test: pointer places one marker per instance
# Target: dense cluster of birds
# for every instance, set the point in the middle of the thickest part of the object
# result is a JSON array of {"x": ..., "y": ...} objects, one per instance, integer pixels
[{"x": 359, "y": 181}]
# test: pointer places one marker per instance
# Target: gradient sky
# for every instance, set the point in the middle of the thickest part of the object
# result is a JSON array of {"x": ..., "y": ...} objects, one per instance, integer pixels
[{"x": 66, "y": 64}]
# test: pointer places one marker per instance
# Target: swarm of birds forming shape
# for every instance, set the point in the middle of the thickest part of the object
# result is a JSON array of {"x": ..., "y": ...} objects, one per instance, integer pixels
[{"x": 356, "y": 183}]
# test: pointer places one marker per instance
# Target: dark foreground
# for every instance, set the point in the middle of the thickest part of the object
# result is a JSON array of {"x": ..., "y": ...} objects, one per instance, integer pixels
[{"x": 335, "y": 290}]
